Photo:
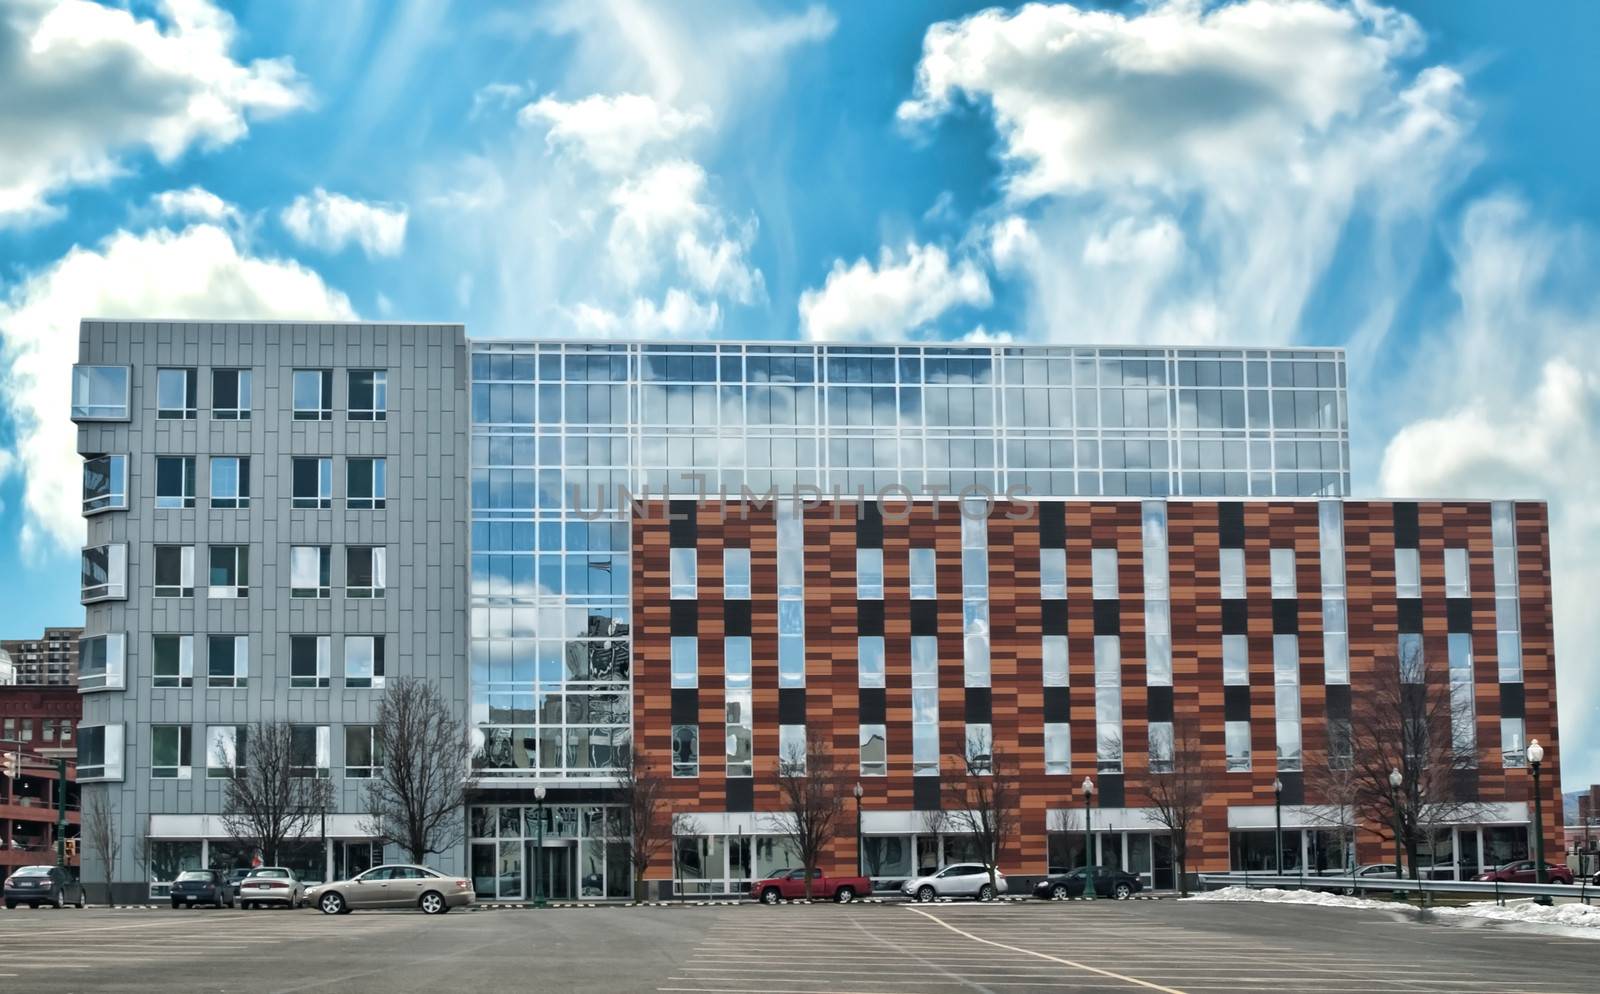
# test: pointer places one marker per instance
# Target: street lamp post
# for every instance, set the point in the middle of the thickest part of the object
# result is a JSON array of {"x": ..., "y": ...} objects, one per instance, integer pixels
[
  {"x": 1277, "y": 822},
  {"x": 1535, "y": 757},
  {"x": 859, "y": 842},
  {"x": 538, "y": 856},
  {"x": 1088, "y": 840},
  {"x": 1395, "y": 780}
]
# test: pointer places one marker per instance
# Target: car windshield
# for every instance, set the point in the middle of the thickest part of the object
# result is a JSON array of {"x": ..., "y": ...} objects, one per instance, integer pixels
[
  {"x": 33, "y": 871},
  {"x": 194, "y": 875}
]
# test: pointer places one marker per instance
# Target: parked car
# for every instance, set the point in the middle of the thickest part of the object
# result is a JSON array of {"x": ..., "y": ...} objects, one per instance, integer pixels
[
  {"x": 202, "y": 887},
  {"x": 393, "y": 886},
  {"x": 271, "y": 885},
  {"x": 1108, "y": 882},
  {"x": 791, "y": 885},
  {"x": 236, "y": 876},
  {"x": 36, "y": 885},
  {"x": 956, "y": 880},
  {"x": 1372, "y": 871},
  {"x": 1522, "y": 872}
]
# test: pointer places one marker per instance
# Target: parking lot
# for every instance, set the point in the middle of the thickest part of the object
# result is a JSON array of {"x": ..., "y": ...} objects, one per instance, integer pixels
[{"x": 792, "y": 949}]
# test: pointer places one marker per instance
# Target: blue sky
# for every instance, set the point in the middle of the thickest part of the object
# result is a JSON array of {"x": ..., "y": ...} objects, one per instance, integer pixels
[{"x": 1412, "y": 182}]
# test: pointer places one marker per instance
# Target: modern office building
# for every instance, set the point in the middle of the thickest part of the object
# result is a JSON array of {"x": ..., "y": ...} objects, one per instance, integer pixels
[
  {"x": 31, "y": 719},
  {"x": 486, "y": 488},
  {"x": 48, "y": 661}
]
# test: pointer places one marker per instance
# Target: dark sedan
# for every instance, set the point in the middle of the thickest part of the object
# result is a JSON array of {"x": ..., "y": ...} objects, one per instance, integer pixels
[
  {"x": 1108, "y": 882},
  {"x": 36, "y": 885},
  {"x": 195, "y": 887}
]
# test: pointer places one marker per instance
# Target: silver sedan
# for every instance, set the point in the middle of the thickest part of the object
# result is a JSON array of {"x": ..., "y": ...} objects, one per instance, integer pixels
[
  {"x": 271, "y": 885},
  {"x": 394, "y": 886}
]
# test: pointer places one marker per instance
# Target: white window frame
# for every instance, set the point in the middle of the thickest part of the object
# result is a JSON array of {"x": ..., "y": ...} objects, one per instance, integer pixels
[
  {"x": 324, "y": 409},
  {"x": 1103, "y": 569},
  {"x": 1457, "y": 573},
  {"x": 375, "y": 749},
  {"x": 240, "y": 498},
  {"x": 185, "y": 674},
  {"x": 683, "y": 770},
  {"x": 377, "y": 483},
  {"x": 683, "y": 566},
  {"x": 184, "y": 769},
  {"x": 869, "y": 574},
  {"x": 324, "y": 496},
  {"x": 322, "y": 753},
  {"x": 1230, "y": 564},
  {"x": 243, "y": 388},
  {"x": 870, "y": 647},
  {"x": 115, "y": 587},
  {"x": 735, "y": 574},
  {"x": 110, "y": 765},
  {"x": 378, "y": 563},
  {"x": 321, "y": 590},
  {"x": 371, "y": 675},
  {"x": 186, "y": 498},
  {"x": 114, "y": 675},
  {"x": 241, "y": 571},
  {"x": 324, "y": 669},
  {"x": 1284, "y": 585},
  {"x": 924, "y": 562},
  {"x": 792, "y": 742},
  {"x": 222, "y": 742},
  {"x": 685, "y": 657},
  {"x": 1053, "y": 574},
  {"x": 1057, "y": 748},
  {"x": 1407, "y": 573},
  {"x": 379, "y": 410},
  {"x": 191, "y": 389},
  {"x": 874, "y": 767},
  {"x": 186, "y": 585},
  {"x": 88, "y": 408},
  {"x": 240, "y": 677},
  {"x": 116, "y": 496}
]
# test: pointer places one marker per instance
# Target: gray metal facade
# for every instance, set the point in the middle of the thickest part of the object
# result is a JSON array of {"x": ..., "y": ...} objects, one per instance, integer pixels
[{"x": 423, "y": 529}]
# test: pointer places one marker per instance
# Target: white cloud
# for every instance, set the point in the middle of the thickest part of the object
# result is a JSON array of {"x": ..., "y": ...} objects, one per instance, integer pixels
[
  {"x": 199, "y": 272},
  {"x": 87, "y": 84},
  {"x": 678, "y": 314},
  {"x": 899, "y": 295},
  {"x": 611, "y": 132},
  {"x": 195, "y": 203},
  {"x": 332, "y": 221}
]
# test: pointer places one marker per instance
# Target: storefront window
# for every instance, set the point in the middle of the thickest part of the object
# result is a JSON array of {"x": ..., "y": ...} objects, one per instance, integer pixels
[
  {"x": 887, "y": 855},
  {"x": 1503, "y": 844}
]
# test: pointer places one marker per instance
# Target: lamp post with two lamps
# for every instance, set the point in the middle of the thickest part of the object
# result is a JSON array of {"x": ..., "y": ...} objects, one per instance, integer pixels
[{"x": 1088, "y": 840}]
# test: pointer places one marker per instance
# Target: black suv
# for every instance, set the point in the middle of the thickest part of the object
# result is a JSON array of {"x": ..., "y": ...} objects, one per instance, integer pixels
[{"x": 36, "y": 885}]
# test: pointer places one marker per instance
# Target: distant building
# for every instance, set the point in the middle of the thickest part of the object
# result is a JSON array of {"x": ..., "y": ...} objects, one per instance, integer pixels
[
  {"x": 50, "y": 660},
  {"x": 8, "y": 669},
  {"x": 31, "y": 719}
]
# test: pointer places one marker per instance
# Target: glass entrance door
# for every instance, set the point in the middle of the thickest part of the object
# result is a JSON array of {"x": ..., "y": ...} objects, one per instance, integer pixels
[
  {"x": 552, "y": 870},
  {"x": 1162, "y": 876}
]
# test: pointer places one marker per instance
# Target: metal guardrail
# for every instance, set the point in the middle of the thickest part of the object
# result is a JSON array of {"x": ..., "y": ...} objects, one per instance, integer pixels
[{"x": 1579, "y": 889}]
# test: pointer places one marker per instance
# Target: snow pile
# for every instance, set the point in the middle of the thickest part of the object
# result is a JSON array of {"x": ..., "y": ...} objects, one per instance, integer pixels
[
  {"x": 1571, "y": 915},
  {"x": 1272, "y": 895}
]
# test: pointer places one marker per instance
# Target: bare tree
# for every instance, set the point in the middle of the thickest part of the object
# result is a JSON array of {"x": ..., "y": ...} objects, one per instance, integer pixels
[
  {"x": 811, "y": 789},
  {"x": 982, "y": 801},
  {"x": 100, "y": 835},
  {"x": 1403, "y": 719},
  {"x": 642, "y": 818},
  {"x": 1330, "y": 779},
  {"x": 1177, "y": 788},
  {"x": 416, "y": 797},
  {"x": 274, "y": 793}
]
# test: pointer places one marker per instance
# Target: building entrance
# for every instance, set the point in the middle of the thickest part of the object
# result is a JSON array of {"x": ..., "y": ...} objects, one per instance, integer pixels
[{"x": 552, "y": 870}]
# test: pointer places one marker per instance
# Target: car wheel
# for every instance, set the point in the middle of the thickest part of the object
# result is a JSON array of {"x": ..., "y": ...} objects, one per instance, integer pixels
[
  {"x": 1058, "y": 892},
  {"x": 771, "y": 896},
  {"x": 332, "y": 904},
  {"x": 11, "y": 905},
  {"x": 986, "y": 892},
  {"x": 432, "y": 903},
  {"x": 175, "y": 905},
  {"x": 926, "y": 894},
  {"x": 845, "y": 895},
  {"x": 1123, "y": 892},
  {"x": 33, "y": 905},
  {"x": 58, "y": 901},
  {"x": 80, "y": 903}
]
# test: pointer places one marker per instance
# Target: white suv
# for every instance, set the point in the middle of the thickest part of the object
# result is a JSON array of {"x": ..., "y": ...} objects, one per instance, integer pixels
[{"x": 956, "y": 880}]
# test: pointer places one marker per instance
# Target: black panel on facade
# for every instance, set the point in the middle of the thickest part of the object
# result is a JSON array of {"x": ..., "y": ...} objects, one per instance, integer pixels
[
  {"x": 1053, "y": 615},
  {"x": 1159, "y": 703},
  {"x": 1235, "y": 703},
  {"x": 741, "y": 794},
  {"x": 869, "y": 617},
  {"x": 924, "y": 617},
  {"x": 1052, "y": 524},
  {"x": 1230, "y": 525},
  {"x": 980, "y": 706},
  {"x": 736, "y": 617},
  {"x": 873, "y": 704},
  {"x": 1235, "y": 617},
  {"x": 1459, "y": 612},
  {"x": 791, "y": 705},
  {"x": 1464, "y": 781},
  {"x": 1109, "y": 790},
  {"x": 1107, "y": 617},
  {"x": 1294, "y": 787},
  {"x": 1056, "y": 704},
  {"x": 682, "y": 526},
  {"x": 686, "y": 617},
  {"x": 1409, "y": 615},
  {"x": 1338, "y": 700},
  {"x": 869, "y": 525},
  {"x": 925, "y": 794},
  {"x": 1405, "y": 525},
  {"x": 1511, "y": 701},
  {"x": 685, "y": 706},
  {"x": 1285, "y": 616}
]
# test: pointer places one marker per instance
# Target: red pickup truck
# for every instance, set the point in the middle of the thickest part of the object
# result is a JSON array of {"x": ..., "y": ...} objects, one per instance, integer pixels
[{"x": 791, "y": 885}]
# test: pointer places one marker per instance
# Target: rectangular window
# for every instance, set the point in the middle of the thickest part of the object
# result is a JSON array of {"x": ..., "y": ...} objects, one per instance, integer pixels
[
  {"x": 1103, "y": 563},
  {"x": 1157, "y": 606},
  {"x": 230, "y": 394},
  {"x": 174, "y": 481},
  {"x": 225, "y": 750},
  {"x": 105, "y": 573},
  {"x": 1335, "y": 630},
  {"x": 1341, "y": 744},
  {"x": 925, "y": 705},
  {"x": 1236, "y": 660},
  {"x": 1055, "y": 660},
  {"x": 1463, "y": 709},
  {"x": 869, "y": 661},
  {"x": 1407, "y": 573},
  {"x": 924, "y": 577},
  {"x": 736, "y": 574},
  {"x": 874, "y": 751},
  {"x": 1456, "y": 581},
  {"x": 105, "y": 484},
  {"x": 173, "y": 664},
  {"x": 1232, "y": 566},
  {"x": 1108, "y": 702},
  {"x": 1236, "y": 737},
  {"x": 100, "y": 752},
  {"x": 102, "y": 662},
  {"x": 1409, "y": 652},
  {"x": 1283, "y": 579},
  {"x": 738, "y": 723},
  {"x": 869, "y": 574},
  {"x": 175, "y": 394},
  {"x": 174, "y": 571},
  {"x": 791, "y": 594},
  {"x": 980, "y": 748},
  {"x": 1507, "y": 596},
  {"x": 310, "y": 660},
  {"x": 1161, "y": 747},
  {"x": 1057, "y": 748},
  {"x": 1053, "y": 574},
  {"x": 792, "y": 750},
  {"x": 363, "y": 754},
  {"x": 363, "y": 662},
  {"x": 310, "y": 567},
  {"x": 1157, "y": 643},
  {"x": 1513, "y": 750},
  {"x": 366, "y": 488},
  {"x": 313, "y": 395},
  {"x": 366, "y": 569},
  {"x": 171, "y": 752},
  {"x": 735, "y": 661},
  {"x": 230, "y": 571},
  {"x": 310, "y": 751},
  {"x": 230, "y": 481},
  {"x": 313, "y": 482},
  {"x": 1286, "y": 698},
  {"x": 683, "y": 565},
  {"x": 975, "y": 660},
  {"x": 100, "y": 393},
  {"x": 685, "y": 750},
  {"x": 369, "y": 394},
  {"x": 685, "y": 661},
  {"x": 227, "y": 660}
]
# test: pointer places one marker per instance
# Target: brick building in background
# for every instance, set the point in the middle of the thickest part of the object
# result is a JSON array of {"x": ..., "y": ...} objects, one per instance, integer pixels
[
  {"x": 33, "y": 718},
  {"x": 50, "y": 660}
]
